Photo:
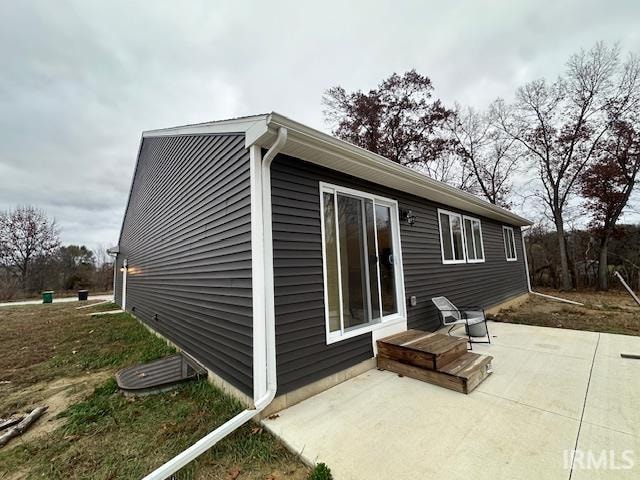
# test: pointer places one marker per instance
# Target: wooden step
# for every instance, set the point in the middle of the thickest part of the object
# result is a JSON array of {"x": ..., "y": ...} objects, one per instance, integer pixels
[
  {"x": 422, "y": 349},
  {"x": 463, "y": 374}
]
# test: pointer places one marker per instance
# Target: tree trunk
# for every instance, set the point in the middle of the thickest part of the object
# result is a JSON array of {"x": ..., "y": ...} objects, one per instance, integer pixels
[
  {"x": 603, "y": 265},
  {"x": 565, "y": 275}
]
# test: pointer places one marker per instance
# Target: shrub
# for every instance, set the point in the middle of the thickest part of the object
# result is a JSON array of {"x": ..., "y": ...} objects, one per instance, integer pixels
[{"x": 321, "y": 472}]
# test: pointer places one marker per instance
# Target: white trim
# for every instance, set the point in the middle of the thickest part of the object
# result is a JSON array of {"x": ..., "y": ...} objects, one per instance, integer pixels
[
  {"x": 241, "y": 124},
  {"x": 473, "y": 238},
  {"x": 375, "y": 239},
  {"x": 513, "y": 244},
  {"x": 464, "y": 249},
  {"x": 366, "y": 328},
  {"x": 400, "y": 317},
  {"x": 338, "y": 264}
]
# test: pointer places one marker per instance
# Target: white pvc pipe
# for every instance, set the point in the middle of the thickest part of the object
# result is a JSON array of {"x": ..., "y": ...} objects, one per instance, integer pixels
[
  {"x": 526, "y": 266},
  {"x": 625, "y": 285},
  {"x": 262, "y": 401}
]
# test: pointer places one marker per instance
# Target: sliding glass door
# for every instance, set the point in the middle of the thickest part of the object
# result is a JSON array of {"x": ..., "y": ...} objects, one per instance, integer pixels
[{"x": 359, "y": 258}]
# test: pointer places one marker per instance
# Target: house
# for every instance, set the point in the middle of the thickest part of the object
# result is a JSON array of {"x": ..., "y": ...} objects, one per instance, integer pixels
[{"x": 260, "y": 238}]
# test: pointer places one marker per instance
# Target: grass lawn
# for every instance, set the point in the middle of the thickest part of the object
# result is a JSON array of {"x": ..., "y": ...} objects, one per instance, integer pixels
[
  {"x": 58, "y": 356},
  {"x": 609, "y": 312}
]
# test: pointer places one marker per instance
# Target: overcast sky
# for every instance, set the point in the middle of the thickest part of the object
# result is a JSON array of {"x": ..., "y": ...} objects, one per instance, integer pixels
[{"x": 80, "y": 80}]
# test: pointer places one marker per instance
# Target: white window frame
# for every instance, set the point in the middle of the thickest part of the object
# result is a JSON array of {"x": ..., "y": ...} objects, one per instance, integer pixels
[
  {"x": 506, "y": 250},
  {"x": 473, "y": 239},
  {"x": 464, "y": 249},
  {"x": 401, "y": 315}
]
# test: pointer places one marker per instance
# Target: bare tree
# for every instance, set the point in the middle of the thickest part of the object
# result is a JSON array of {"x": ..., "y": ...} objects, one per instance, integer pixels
[
  {"x": 561, "y": 125},
  {"x": 487, "y": 152},
  {"x": 25, "y": 233}
]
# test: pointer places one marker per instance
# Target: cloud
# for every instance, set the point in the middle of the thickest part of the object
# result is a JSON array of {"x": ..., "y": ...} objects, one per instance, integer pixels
[{"x": 82, "y": 79}]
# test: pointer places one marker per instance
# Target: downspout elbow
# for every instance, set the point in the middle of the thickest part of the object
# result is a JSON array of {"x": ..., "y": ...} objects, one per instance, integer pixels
[{"x": 281, "y": 139}]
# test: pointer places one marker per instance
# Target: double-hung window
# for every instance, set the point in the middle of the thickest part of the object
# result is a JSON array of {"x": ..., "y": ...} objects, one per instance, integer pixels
[
  {"x": 473, "y": 239},
  {"x": 460, "y": 238},
  {"x": 362, "y": 261},
  {"x": 451, "y": 237},
  {"x": 509, "y": 244}
]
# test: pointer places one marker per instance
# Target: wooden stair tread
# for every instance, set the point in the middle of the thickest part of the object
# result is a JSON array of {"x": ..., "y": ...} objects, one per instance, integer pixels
[
  {"x": 466, "y": 365},
  {"x": 434, "y": 358},
  {"x": 408, "y": 336},
  {"x": 422, "y": 349},
  {"x": 433, "y": 343}
]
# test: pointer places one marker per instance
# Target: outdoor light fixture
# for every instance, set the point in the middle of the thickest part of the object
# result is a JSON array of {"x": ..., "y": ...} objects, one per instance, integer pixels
[
  {"x": 125, "y": 266},
  {"x": 408, "y": 216}
]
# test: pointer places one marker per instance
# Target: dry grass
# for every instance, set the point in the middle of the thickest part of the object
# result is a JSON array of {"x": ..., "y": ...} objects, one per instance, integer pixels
[
  {"x": 609, "y": 312},
  {"x": 57, "y": 355}
]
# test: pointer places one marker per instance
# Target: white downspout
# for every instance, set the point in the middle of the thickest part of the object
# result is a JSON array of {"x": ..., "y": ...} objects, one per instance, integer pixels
[
  {"x": 526, "y": 266},
  {"x": 115, "y": 273},
  {"x": 125, "y": 266},
  {"x": 264, "y": 322}
]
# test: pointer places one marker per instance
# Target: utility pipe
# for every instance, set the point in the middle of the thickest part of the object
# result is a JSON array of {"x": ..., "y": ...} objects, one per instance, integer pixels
[
  {"x": 526, "y": 266},
  {"x": 261, "y": 399}
]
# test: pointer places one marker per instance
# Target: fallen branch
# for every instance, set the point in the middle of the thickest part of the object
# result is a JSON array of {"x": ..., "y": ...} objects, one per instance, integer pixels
[
  {"x": 9, "y": 422},
  {"x": 22, "y": 426}
]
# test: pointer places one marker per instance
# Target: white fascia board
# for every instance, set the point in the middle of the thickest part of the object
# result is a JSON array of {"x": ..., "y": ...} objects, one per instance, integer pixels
[{"x": 240, "y": 125}]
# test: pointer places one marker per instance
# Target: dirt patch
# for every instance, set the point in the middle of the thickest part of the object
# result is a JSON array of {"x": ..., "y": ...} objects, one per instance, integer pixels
[
  {"x": 609, "y": 312},
  {"x": 57, "y": 395}
]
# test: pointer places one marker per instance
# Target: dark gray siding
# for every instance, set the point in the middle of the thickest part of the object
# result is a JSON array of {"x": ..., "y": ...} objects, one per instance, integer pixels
[
  {"x": 303, "y": 355},
  {"x": 187, "y": 239}
]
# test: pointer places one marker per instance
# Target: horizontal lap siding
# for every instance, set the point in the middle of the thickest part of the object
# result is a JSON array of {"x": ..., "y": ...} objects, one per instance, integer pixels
[
  {"x": 303, "y": 355},
  {"x": 187, "y": 239}
]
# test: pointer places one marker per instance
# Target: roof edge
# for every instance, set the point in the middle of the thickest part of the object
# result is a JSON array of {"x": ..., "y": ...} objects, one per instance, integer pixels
[
  {"x": 261, "y": 130},
  {"x": 349, "y": 150}
]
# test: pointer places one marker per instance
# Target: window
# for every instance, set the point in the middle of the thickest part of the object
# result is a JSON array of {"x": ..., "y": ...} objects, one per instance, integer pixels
[
  {"x": 509, "y": 244},
  {"x": 473, "y": 239},
  {"x": 451, "y": 237},
  {"x": 362, "y": 261}
]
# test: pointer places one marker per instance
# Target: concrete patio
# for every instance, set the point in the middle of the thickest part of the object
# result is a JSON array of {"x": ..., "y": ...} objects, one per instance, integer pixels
[{"x": 552, "y": 391}]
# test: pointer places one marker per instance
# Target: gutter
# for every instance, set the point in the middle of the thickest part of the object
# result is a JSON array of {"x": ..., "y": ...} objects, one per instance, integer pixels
[
  {"x": 264, "y": 352},
  {"x": 548, "y": 297}
]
